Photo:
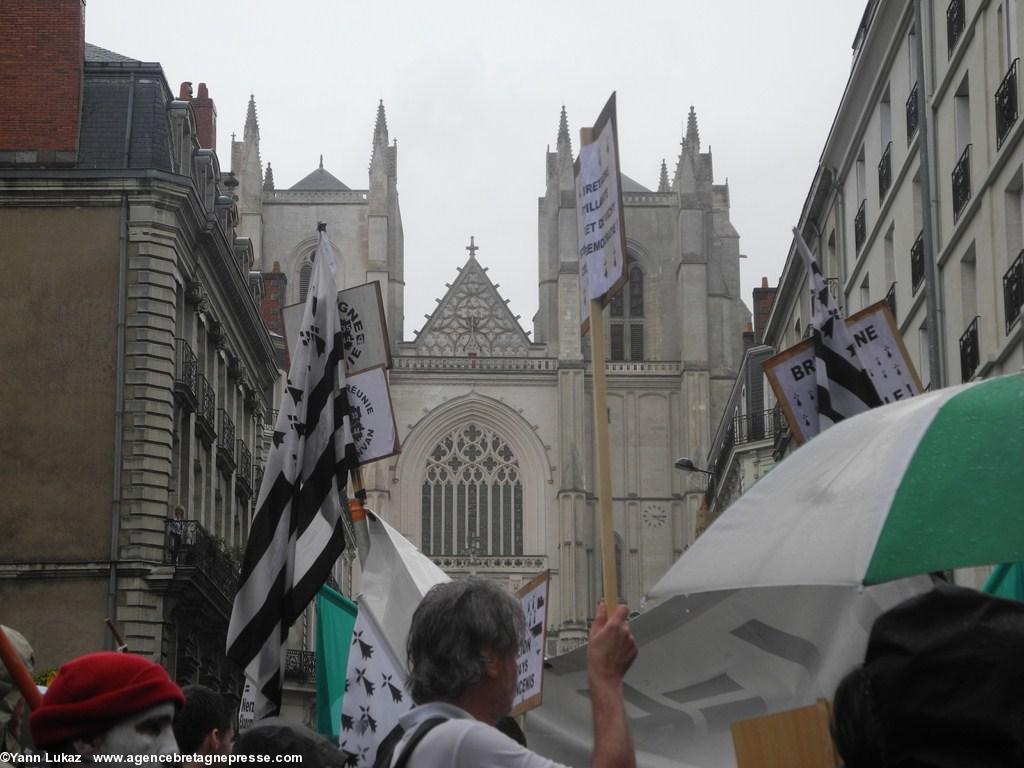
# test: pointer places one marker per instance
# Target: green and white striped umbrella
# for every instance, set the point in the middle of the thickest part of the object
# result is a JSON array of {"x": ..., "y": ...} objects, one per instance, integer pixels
[{"x": 927, "y": 484}]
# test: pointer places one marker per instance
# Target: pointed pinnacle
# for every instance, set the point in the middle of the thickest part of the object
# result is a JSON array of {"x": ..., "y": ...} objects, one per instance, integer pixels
[
  {"x": 564, "y": 141},
  {"x": 692, "y": 134},
  {"x": 321, "y": 161},
  {"x": 663, "y": 180},
  {"x": 268, "y": 179},
  {"x": 380, "y": 128},
  {"x": 252, "y": 128}
]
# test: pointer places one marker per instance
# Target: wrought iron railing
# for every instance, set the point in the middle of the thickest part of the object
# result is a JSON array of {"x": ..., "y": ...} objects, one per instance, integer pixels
[
  {"x": 243, "y": 476},
  {"x": 207, "y": 408},
  {"x": 917, "y": 262},
  {"x": 225, "y": 441},
  {"x": 860, "y": 226},
  {"x": 300, "y": 666},
  {"x": 885, "y": 173},
  {"x": 890, "y": 298},
  {"x": 1013, "y": 291},
  {"x": 1006, "y": 104},
  {"x": 912, "y": 113},
  {"x": 750, "y": 427},
  {"x": 186, "y": 371},
  {"x": 962, "y": 182},
  {"x": 188, "y": 545},
  {"x": 969, "y": 356},
  {"x": 955, "y": 18}
]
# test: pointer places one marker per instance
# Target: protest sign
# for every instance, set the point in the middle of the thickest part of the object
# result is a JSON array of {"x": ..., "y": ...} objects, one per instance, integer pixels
[
  {"x": 879, "y": 347},
  {"x": 533, "y": 597},
  {"x": 371, "y": 415},
  {"x": 600, "y": 223}
]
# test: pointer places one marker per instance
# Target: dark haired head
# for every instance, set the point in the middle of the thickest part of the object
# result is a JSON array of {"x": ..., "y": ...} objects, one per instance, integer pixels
[{"x": 204, "y": 711}]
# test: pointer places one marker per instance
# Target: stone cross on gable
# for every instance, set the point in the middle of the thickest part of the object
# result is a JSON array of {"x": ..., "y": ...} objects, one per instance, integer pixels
[{"x": 472, "y": 247}]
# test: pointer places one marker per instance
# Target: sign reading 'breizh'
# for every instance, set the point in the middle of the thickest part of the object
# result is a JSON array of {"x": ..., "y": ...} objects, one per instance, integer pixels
[
  {"x": 600, "y": 224},
  {"x": 879, "y": 346}
]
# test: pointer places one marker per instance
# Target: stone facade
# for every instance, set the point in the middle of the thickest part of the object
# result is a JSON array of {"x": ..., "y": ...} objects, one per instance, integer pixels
[
  {"x": 496, "y": 471},
  {"x": 137, "y": 373}
]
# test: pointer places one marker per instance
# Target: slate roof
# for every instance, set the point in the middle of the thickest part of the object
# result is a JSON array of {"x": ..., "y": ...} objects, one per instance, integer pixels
[
  {"x": 93, "y": 53},
  {"x": 105, "y": 121},
  {"x": 319, "y": 180},
  {"x": 629, "y": 185}
]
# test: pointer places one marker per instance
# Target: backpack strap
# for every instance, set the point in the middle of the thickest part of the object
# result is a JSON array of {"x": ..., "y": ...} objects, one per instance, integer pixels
[{"x": 425, "y": 727}]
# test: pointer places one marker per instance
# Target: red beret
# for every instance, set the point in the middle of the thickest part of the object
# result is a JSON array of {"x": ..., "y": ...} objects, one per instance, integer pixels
[{"x": 94, "y": 692}]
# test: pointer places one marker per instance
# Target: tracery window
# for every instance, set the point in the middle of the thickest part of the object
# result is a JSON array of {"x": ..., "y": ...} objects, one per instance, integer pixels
[
  {"x": 626, "y": 310},
  {"x": 472, "y": 495},
  {"x": 305, "y": 275}
]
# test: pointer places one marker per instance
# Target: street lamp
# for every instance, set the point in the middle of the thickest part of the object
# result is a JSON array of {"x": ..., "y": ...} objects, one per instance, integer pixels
[{"x": 686, "y": 464}]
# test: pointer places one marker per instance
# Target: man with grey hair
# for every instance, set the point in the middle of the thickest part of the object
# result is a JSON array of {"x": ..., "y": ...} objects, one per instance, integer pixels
[{"x": 462, "y": 660}]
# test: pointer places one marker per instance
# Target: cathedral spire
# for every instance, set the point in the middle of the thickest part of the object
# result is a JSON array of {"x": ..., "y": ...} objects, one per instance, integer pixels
[
  {"x": 268, "y": 179},
  {"x": 252, "y": 126},
  {"x": 692, "y": 134},
  {"x": 662, "y": 182},
  {"x": 321, "y": 161},
  {"x": 564, "y": 142},
  {"x": 380, "y": 128}
]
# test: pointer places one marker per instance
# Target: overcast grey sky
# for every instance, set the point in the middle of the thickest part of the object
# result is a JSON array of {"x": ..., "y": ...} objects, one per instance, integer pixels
[{"x": 473, "y": 92}]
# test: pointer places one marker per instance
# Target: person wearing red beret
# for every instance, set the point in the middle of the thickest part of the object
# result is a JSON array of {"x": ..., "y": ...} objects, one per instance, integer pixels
[{"x": 108, "y": 703}]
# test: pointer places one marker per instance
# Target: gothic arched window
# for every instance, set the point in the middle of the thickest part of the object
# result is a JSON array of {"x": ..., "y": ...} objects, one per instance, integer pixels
[
  {"x": 626, "y": 309},
  {"x": 472, "y": 495},
  {"x": 305, "y": 275}
]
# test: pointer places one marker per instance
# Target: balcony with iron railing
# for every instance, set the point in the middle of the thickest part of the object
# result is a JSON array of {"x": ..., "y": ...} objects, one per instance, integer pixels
[
  {"x": 243, "y": 477},
  {"x": 195, "y": 553},
  {"x": 890, "y": 299},
  {"x": 300, "y": 666},
  {"x": 1006, "y": 104},
  {"x": 885, "y": 173},
  {"x": 1013, "y": 291},
  {"x": 206, "y": 426},
  {"x": 955, "y": 19},
  {"x": 912, "y": 113},
  {"x": 744, "y": 429},
  {"x": 860, "y": 226},
  {"x": 969, "y": 355},
  {"x": 917, "y": 263},
  {"x": 186, "y": 371},
  {"x": 225, "y": 442},
  {"x": 962, "y": 183}
]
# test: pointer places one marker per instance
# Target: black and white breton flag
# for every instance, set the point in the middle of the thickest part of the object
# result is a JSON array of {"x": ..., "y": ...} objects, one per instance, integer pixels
[
  {"x": 297, "y": 533},
  {"x": 844, "y": 387}
]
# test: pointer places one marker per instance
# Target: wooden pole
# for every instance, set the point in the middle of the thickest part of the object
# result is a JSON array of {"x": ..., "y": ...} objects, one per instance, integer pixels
[
  {"x": 122, "y": 646},
  {"x": 19, "y": 672},
  {"x": 602, "y": 456}
]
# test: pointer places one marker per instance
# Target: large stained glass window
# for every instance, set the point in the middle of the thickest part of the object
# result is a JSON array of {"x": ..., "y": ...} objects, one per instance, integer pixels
[{"x": 472, "y": 497}]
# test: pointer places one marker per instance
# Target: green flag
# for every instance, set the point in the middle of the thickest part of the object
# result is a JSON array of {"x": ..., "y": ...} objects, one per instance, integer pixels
[
  {"x": 335, "y": 619},
  {"x": 1007, "y": 580}
]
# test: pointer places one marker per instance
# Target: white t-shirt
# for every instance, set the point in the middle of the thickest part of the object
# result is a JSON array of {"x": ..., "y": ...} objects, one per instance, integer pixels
[{"x": 462, "y": 742}]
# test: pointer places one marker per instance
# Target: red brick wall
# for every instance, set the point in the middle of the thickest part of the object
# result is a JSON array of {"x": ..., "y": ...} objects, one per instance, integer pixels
[
  {"x": 274, "y": 284},
  {"x": 206, "y": 118},
  {"x": 41, "y": 58}
]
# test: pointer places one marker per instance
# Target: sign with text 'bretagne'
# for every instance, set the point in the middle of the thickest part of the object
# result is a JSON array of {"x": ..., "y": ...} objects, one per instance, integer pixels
[{"x": 879, "y": 346}]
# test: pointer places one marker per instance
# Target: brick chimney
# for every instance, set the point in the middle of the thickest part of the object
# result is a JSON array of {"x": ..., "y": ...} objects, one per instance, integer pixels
[
  {"x": 206, "y": 118},
  {"x": 41, "y": 63},
  {"x": 764, "y": 297}
]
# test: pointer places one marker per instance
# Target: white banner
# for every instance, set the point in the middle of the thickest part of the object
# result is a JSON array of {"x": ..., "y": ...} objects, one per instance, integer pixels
[
  {"x": 600, "y": 223},
  {"x": 533, "y": 597},
  {"x": 247, "y": 709},
  {"x": 373, "y": 420},
  {"x": 879, "y": 346}
]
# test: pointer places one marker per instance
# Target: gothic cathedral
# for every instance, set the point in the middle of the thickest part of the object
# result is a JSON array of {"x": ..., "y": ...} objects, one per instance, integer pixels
[{"x": 496, "y": 473}]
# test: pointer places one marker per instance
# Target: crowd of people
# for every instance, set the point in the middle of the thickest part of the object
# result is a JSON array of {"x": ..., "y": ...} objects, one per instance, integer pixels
[{"x": 937, "y": 689}]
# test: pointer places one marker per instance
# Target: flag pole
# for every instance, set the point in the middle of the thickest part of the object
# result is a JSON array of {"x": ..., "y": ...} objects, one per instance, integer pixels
[
  {"x": 602, "y": 456},
  {"x": 122, "y": 646},
  {"x": 19, "y": 672},
  {"x": 356, "y": 509}
]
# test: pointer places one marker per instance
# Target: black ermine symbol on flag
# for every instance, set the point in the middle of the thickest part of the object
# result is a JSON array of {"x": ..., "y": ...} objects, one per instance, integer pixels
[
  {"x": 295, "y": 392},
  {"x": 346, "y": 720},
  {"x": 396, "y": 693},
  {"x": 364, "y": 647},
  {"x": 362, "y": 678},
  {"x": 278, "y": 438},
  {"x": 365, "y": 721},
  {"x": 297, "y": 425}
]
